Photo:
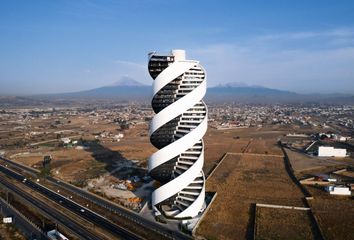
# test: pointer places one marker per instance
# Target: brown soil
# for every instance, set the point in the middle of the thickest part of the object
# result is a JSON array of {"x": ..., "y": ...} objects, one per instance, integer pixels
[
  {"x": 302, "y": 163},
  {"x": 10, "y": 232},
  {"x": 333, "y": 213},
  {"x": 249, "y": 140},
  {"x": 273, "y": 223},
  {"x": 241, "y": 181}
]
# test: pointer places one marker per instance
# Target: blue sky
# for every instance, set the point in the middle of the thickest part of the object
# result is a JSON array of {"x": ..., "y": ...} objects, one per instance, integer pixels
[{"x": 69, "y": 45}]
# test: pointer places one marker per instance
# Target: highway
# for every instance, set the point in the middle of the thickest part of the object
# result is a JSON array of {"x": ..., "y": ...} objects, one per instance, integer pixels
[
  {"x": 28, "y": 228},
  {"x": 73, "y": 206},
  {"x": 55, "y": 214},
  {"x": 130, "y": 216}
]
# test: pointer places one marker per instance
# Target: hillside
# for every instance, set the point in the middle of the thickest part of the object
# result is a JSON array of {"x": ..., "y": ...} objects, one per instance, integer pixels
[{"x": 128, "y": 89}]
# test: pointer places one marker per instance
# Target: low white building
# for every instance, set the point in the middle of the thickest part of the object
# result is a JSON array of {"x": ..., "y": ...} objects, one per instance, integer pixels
[
  {"x": 118, "y": 136},
  {"x": 339, "y": 190},
  {"x": 331, "y": 152},
  {"x": 66, "y": 140},
  {"x": 7, "y": 220}
]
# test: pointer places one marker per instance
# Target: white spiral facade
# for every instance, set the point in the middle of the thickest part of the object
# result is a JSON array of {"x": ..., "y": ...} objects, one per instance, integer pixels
[{"x": 177, "y": 130}]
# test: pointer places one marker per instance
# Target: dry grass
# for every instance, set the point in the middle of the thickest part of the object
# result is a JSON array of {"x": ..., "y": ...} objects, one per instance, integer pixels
[
  {"x": 249, "y": 140},
  {"x": 218, "y": 142},
  {"x": 272, "y": 223},
  {"x": 241, "y": 181},
  {"x": 335, "y": 214},
  {"x": 135, "y": 145},
  {"x": 347, "y": 174},
  {"x": 302, "y": 163},
  {"x": 77, "y": 166},
  {"x": 8, "y": 231},
  {"x": 264, "y": 141}
]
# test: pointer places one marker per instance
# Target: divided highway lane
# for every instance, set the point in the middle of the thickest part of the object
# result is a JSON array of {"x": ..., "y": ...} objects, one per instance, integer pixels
[
  {"x": 132, "y": 216},
  {"x": 73, "y": 206},
  {"x": 59, "y": 217}
]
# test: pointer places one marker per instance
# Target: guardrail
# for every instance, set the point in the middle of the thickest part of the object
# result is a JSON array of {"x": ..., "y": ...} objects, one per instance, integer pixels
[
  {"x": 49, "y": 212},
  {"x": 25, "y": 225},
  {"x": 127, "y": 213}
]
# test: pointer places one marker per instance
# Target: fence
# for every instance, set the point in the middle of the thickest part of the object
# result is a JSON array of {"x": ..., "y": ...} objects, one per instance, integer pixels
[{"x": 25, "y": 225}]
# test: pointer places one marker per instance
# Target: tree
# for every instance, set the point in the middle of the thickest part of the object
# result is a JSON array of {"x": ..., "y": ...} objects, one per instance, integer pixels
[{"x": 45, "y": 171}]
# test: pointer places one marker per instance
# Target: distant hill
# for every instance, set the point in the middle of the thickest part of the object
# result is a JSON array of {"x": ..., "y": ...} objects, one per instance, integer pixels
[
  {"x": 125, "y": 89},
  {"x": 130, "y": 92},
  {"x": 251, "y": 94},
  {"x": 246, "y": 90},
  {"x": 128, "y": 89},
  {"x": 127, "y": 82},
  {"x": 133, "y": 90}
]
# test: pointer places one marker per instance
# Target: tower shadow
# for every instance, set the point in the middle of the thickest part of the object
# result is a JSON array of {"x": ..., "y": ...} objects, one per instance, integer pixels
[{"x": 117, "y": 165}]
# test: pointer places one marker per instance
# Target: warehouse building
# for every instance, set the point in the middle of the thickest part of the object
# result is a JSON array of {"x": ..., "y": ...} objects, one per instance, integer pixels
[{"x": 331, "y": 152}]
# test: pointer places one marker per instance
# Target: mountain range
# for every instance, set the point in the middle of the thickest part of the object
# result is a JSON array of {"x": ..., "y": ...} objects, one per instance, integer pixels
[{"x": 129, "y": 89}]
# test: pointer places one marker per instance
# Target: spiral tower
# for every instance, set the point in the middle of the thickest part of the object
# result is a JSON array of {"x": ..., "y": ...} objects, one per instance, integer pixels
[{"x": 176, "y": 131}]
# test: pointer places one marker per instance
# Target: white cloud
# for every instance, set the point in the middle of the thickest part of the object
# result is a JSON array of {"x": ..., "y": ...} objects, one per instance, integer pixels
[
  {"x": 325, "y": 68},
  {"x": 262, "y": 61},
  {"x": 333, "y": 33}
]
